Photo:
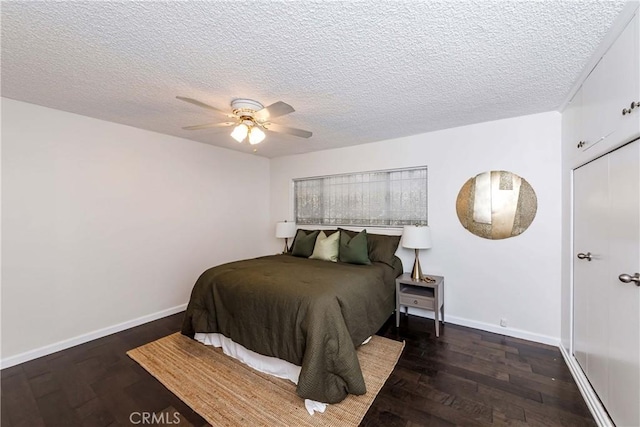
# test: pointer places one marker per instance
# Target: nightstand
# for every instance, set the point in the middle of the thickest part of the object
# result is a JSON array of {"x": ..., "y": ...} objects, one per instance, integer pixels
[{"x": 425, "y": 295}]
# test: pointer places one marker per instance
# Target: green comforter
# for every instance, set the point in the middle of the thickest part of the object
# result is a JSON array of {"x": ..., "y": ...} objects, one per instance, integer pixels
[{"x": 311, "y": 313}]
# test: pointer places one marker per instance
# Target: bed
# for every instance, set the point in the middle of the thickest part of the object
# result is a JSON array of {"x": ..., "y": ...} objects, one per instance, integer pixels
[{"x": 310, "y": 313}]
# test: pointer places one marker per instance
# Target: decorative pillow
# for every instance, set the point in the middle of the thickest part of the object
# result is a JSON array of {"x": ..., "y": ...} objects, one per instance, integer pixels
[
  {"x": 304, "y": 243},
  {"x": 326, "y": 248},
  {"x": 381, "y": 247},
  {"x": 306, "y": 231},
  {"x": 354, "y": 249}
]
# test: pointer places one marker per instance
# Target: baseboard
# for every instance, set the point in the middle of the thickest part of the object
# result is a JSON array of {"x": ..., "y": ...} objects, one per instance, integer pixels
[
  {"x": 512, "y": 332},
  {"x": 81, "y": 339},
  {"x": 90, "y": 336},
  {"x": 590, "y": 397}
]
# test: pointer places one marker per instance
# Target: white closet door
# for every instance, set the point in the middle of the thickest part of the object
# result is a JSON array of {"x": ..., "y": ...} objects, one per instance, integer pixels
[
  {"x": 620, "y": 74},
  {"x": 591, "y": 307},
  {"x": 624, "y": 298}
]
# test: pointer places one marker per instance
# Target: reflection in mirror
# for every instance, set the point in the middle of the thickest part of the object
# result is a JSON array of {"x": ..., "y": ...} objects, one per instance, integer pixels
[{"x": 496, "y": 205}]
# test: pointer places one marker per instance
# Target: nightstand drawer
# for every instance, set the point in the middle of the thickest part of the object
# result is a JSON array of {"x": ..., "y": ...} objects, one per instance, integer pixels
[{"x": 417, "y": 301}]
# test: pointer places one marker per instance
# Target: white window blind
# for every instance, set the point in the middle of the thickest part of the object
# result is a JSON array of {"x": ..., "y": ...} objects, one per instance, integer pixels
[{"x": 390, "y": 198}]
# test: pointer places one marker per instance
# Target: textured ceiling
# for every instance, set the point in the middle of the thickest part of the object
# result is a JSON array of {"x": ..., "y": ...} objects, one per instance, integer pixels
[{"x": 355, "y": 72}]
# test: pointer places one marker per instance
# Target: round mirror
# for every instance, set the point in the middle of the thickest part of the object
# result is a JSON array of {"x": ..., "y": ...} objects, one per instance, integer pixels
[{"x": 496, "y": 205}]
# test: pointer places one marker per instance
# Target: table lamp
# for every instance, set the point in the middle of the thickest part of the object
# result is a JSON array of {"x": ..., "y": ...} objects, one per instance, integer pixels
[
  {"x": 285, "y": 230},
  {"x": 416, "y": 237}
]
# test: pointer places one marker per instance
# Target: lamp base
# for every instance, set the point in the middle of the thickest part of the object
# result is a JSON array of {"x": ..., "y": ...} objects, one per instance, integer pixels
[
  {"x": 286, "y": 246},
  {"x": 416, "y": 273}
]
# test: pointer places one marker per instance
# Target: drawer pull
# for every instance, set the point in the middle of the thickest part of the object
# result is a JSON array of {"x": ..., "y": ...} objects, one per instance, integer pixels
[{"x": 415, "y": 301}]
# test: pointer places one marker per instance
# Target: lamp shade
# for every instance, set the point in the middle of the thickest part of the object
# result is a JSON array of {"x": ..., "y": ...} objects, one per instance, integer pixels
[
  {"x": 416, "y": 237},
  {"x": 240, "y": 132},
  {"x": 285, "y": 229},
  {"x": 255, "y": 136}
]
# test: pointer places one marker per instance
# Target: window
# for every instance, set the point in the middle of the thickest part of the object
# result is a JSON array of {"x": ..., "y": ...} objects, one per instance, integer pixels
[{"x": 390, "y": 198}]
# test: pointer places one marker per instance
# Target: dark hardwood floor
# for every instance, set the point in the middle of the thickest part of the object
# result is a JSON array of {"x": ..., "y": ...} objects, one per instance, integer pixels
[{"x": 466, "y": 377}]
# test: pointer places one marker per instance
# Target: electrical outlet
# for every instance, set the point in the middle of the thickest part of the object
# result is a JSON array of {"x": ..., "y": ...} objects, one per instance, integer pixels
[{"x": 503, "y": 322}]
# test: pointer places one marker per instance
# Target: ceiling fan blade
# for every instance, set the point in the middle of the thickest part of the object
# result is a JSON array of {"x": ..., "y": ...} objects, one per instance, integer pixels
[
  {"x": 203, "y": 105},
  {"x": 276, "y": 109},
  {"x": 209, "y": 125},
  {"x": 285, "y": 129}
]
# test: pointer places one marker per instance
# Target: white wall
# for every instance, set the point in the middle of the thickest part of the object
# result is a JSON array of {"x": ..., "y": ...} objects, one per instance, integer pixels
[
  {"x": 104, "y": 223},
  {"x": 516, "y": 278}
]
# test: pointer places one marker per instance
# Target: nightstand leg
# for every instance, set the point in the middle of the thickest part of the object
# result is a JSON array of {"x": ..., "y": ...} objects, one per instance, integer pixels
[
  {"x": 437, "y": 319},
  {"x": 397, "y": 317}
]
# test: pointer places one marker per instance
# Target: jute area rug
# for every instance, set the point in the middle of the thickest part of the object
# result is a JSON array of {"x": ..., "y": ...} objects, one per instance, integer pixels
[{"x": 226, "y": 392}]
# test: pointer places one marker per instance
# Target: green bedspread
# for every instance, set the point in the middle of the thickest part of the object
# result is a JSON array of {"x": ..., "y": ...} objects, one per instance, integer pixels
[{"x": 311, "y": 313}]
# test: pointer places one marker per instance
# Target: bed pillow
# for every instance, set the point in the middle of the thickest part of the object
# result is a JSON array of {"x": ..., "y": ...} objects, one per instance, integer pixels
[
  {"x": 304, "y": 243},
  {"x": 381, "y": 247},
  {"x": 306, "y": 232},
  {"x": 326, "y": 247},
  {"x": 354, "y": 249}
]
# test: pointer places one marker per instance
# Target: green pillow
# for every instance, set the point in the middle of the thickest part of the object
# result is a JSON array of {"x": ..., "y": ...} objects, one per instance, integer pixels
[
  {"x": 381, "y": 247},
  {"x": 306, "y": 232},
  {"x": 326, "y": 248},
  {"x": 354, "y": 249},
  {"x": 304, "y": 243}
]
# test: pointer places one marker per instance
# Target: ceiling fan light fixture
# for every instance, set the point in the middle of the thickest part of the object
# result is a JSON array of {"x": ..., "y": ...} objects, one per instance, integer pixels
[
  {"x": 249, "y": 119},
  {"x": 256, "y": 136},
  {"x": 240, "y": 132}
]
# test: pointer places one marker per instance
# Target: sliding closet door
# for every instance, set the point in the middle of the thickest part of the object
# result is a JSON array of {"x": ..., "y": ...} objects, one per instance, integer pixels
[
  {"x": 624, "y": 298},
  {"x": 591, "y": 306},
  {"x": 606, "y": 297}
]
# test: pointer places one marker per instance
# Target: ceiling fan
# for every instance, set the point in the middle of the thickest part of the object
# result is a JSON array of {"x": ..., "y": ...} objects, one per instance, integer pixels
[{"x": 249, "y": 118}]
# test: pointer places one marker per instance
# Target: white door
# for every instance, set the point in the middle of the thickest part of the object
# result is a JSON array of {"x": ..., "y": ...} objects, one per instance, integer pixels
[
  {"x": 611, "y": 88},
  {"x": 591, "y": 314},
  {"x": 620, "y": 66},
  {"x": 624, "y": 298},
  {"x": 606, "y": 296}
]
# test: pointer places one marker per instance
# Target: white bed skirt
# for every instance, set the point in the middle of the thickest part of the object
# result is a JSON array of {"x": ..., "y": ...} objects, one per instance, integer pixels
[{"x": 265, "y": 364}]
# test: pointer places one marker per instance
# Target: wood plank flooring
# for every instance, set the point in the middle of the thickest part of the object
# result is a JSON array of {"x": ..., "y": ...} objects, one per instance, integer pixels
[{"x": 466, "y": 377}]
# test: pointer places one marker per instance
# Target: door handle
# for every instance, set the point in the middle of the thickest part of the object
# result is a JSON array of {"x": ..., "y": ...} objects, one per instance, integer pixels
[
  {"x": 630, "y": 110},
  {"x": 586, "y": 256},
  {"x": 627, "y": 278}
]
